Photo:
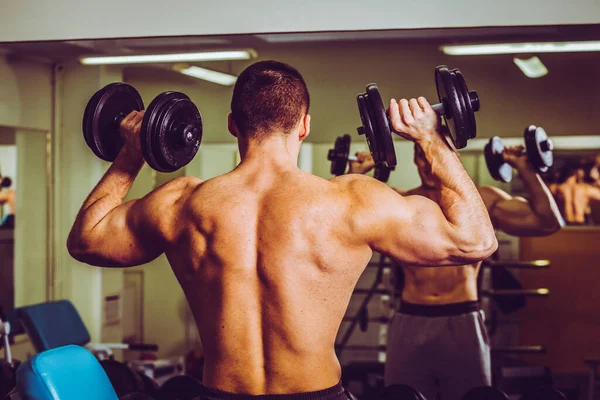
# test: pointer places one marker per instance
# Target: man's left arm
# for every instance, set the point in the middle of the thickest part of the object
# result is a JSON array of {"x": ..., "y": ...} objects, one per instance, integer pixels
[{"x": 538, "y": 215}]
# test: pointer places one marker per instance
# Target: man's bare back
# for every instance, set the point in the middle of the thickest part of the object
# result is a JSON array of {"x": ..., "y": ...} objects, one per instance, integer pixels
[
  {"x": 574, "y": 199},
  {"x": 275, "y": 265},
  {"x": 268, "y": 255}
]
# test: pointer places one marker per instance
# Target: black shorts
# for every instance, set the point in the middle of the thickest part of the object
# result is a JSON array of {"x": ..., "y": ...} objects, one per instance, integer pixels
[
  {"x": 336, "y": 392},
  {"x": 8, "y": 222}
]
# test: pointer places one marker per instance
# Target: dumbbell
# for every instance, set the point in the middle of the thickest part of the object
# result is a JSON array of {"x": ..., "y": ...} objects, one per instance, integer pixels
[
  {"x": 543, "y": 393},
  {"x": 340, "y": 155},
  {"x": 125, "y": 380},
  {"x": 538, "y": 147},
  {"x": 181, "y": 387},
  {"x": 457, "y": 107},
  {"x": 171, "y": 130},
  {"x": 484, "y": 393},
  {"x": 400, "y": 392}
]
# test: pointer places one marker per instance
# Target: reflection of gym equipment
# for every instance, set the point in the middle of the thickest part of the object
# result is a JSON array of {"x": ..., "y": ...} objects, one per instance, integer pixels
[
  {"x": 538, "y": 147},
  {"x": 505, "y": 297},
  {"x": 509, "y": 296},
  {"x": 513, "y": 264},
  {"x": 340, "y": 155},
  {"x": 528, "y": 382},
  {"x": 359, "y": 318}
]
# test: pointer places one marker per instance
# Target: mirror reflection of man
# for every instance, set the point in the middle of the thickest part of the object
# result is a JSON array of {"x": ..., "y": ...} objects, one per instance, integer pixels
[
  {"x": 575, "y": 190},
  {"x": 7, "y": 196},
  {"x": 440, "y": 317}
]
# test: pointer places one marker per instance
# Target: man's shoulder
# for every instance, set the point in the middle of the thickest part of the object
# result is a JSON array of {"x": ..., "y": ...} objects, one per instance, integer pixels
[
  {"x": 173, "y": 190},
  {"x": 369, "y": 194},
  {"x": 356, "y": 182}
]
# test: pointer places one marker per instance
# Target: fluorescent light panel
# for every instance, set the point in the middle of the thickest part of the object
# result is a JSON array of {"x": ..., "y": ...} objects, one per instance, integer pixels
[
  {"x": 532, "y": 67},
  {"x": 519, "y": 48},
  {"x": 168, "y": 58},
  {"x": 209, "y": 75}
]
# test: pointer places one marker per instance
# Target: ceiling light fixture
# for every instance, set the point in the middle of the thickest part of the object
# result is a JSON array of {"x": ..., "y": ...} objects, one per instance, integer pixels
[
  {"x": 227, "y": 55},
  {"x": 520, "y": 48},
  {"x": 532, "y": 67}
]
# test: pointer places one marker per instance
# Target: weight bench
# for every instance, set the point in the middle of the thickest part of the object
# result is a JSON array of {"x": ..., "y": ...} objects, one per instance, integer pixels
[
  {"x": 57, "y": 324},
  {"x": 63, "y": 373}
]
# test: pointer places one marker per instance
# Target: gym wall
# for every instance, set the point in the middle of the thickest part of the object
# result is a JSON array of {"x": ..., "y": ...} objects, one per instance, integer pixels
[{"x": 26, "y": 116}]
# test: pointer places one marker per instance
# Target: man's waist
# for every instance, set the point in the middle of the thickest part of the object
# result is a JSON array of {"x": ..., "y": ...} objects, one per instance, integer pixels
[{"x": 439, "y": 310}]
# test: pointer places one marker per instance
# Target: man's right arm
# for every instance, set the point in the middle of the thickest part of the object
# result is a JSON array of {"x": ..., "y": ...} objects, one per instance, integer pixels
[
  {"x": 455, "y": 230},
  {"x": 593, "y": 193},
  {"x": 4, "y": 196}
]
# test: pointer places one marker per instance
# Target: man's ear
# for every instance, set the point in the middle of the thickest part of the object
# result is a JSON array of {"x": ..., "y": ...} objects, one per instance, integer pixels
[
  {"x": 305, "y": 129},
  {"x": 232, "y": 126}
]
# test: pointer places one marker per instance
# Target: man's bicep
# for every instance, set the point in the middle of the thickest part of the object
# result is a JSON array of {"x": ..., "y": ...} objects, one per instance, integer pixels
[
  {"x": 415, "y": 231},
  {"x": 594, "y": 193},
  {"x": 514, "y": 217},
  {"x": 508, "y": 214}
]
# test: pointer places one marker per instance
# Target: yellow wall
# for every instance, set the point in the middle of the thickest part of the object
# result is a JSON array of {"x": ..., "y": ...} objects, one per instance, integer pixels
[
  {"x": 26, "y": 104},
  {"x": 25, "y": 94}
]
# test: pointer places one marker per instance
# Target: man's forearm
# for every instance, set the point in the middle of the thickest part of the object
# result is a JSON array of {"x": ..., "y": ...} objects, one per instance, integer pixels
[
  {"x": 109, "y": 192},
  {"x": 459, "y": 198},
  {"x": 540, "y": 199}
]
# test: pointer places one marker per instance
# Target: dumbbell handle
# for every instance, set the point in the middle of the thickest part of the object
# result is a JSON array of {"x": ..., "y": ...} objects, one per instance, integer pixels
[
  {"x": 118, "y": 119},
  {"x": 132, "y": 346},
  {"x": 4, "y": 334},
  {"x": 332, "y": 155},
  {"x": 439, "y": 108},
  {"x": 547, "y": 145}
]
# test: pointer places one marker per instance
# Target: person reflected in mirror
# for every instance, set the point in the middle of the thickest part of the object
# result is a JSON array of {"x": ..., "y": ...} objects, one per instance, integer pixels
[
  {"x": 7, "y": 197},
  {"x": 437, "y": 339},
  {"x": 574, "y": 188}
]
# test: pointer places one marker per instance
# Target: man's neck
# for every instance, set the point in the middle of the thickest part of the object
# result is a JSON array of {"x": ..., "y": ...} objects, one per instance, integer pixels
[{"x": 274, "y": 152}]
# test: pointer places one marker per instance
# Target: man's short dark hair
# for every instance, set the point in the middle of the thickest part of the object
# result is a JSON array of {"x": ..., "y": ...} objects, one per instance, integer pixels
[{"x": 268, "y": 97}]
